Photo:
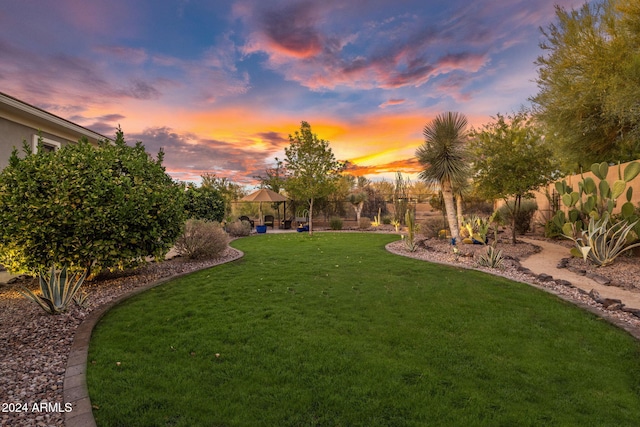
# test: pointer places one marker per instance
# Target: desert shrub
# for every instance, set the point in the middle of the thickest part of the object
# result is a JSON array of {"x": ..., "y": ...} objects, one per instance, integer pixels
[
  {"x": 430, "y": 227},
  {"x": 386, "y": 220},
  {"x": 524, "y": 217},
  {"x": 105, "y": 206},
  {"x": 202, "y": 239},
  {"x": 474, "y": 204},
  {"x": 364, "y": 223},
  {"x": 239, "y": 228},
  {"x": 204, "y": 202},
  {"x": 335, "y": 223}
]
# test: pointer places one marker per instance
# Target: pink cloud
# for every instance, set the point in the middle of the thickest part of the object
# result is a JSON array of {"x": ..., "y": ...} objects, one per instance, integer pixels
[
  {"x": 397, "y": 52},
  {"x": 392, "y": 102},
  {"x": 188, "y": 155}
]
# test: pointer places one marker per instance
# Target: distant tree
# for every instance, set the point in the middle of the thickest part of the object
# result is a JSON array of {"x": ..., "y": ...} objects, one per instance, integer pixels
[
  {"x": 358, "y": 194},
  {"x": 384, "y": 188},
  {"x": 400, "y": 198},
  {"x": 420, "y": 191},
  {"x": 445, "y": 159},
  {"x": 337, "y": 200},
  {"x": 86, "y": 206},
  {"x": 589, "y": 83},
  {"x": 204, "y": 202},
  {"x": 374, "y": 203},
  {"x": 274, "y": 178},
  {"x": 229, "y": 190},
  {"x": 511, "y": 160},
  {"x": 312, "y": 170}
]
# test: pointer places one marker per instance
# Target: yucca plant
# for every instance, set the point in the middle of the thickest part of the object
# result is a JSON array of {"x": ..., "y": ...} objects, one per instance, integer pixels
[
  {"x": 492, "y": 258},
  {"x": 602, "y": 241},
  {"x": 58, "y": 290}
]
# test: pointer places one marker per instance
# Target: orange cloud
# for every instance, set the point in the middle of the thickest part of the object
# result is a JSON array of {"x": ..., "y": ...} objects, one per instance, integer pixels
[{"x": 408, "y": 166}]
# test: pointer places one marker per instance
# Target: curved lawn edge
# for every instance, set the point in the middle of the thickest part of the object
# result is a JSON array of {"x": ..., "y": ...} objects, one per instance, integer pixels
[
  {"x": 630, "y": 329},
  {"x": 75, "y": 389}
]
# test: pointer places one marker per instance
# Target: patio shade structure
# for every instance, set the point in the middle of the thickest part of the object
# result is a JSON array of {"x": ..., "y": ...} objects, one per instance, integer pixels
[{"x": 264, "y": 195}]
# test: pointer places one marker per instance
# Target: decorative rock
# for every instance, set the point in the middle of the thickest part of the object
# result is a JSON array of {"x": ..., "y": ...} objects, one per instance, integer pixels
[
  {"x": 608, "y": 302},
  {"x": 615, "y": 307},
  {"x": 545, "y": 277},
  {"x": 525, "y": 270},
  {"x": 579, "y": 271},
  {"x": 595, "y": 295},
  {"x": 633, "y": 311},
  {"x": 601, "y": 280},
  {"x": 564, "y": 283}
]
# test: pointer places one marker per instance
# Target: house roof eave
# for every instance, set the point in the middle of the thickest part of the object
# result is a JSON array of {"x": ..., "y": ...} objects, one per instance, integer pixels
[{"x": 38, "y": 113}]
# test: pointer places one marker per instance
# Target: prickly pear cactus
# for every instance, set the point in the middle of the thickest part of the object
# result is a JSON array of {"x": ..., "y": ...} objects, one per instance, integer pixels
[{"x": 593, "y": 200}]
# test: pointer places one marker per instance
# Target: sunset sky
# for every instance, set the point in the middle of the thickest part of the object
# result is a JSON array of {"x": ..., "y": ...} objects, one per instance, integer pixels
[{"x": 220, "y": 85}]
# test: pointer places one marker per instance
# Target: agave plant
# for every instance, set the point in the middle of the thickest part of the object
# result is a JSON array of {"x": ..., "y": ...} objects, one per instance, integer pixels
[
  {"x": 492, "y": 258},
  {"x": 58, "y": 290},
  {"x": 602, "y": 241}
]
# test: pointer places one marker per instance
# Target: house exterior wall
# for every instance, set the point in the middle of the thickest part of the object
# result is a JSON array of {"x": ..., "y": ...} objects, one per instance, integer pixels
[
  {"x": 13, "y": 134},
  {"x": 20, "y": 122}
]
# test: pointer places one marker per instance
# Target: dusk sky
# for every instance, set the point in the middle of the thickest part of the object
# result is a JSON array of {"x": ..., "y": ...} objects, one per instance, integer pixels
[{"x": 220, "y": 85}]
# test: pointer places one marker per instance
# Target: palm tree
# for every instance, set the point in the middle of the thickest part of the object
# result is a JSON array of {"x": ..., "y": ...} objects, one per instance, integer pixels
[{"x": 444, "y": 157}]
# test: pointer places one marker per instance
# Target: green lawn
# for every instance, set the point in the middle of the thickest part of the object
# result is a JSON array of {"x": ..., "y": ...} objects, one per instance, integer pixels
[{"x": 332, "y": 330}]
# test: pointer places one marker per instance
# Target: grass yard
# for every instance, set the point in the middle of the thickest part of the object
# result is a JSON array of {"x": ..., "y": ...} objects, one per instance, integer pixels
[{"x": 332, "y": 330}]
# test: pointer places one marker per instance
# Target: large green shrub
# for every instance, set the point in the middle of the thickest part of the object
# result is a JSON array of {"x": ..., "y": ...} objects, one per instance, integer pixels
[
  {"x": 85, "y": 206},
  {"x": 204, "y": 202}
]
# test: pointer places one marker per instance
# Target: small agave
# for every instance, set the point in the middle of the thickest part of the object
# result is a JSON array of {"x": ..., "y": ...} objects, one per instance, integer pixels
[{"x": 58, "y": 290}]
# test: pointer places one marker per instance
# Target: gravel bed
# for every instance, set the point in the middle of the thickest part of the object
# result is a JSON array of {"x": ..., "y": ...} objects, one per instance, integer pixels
[
  {"x": 624, "y": 272},
  {"x": 34, "y": 346}
]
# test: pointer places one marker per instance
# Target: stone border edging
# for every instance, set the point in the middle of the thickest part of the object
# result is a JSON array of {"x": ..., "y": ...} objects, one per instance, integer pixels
[
  {"x": 631, "y": 330},
  {"x": 75, "y": 389}
]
